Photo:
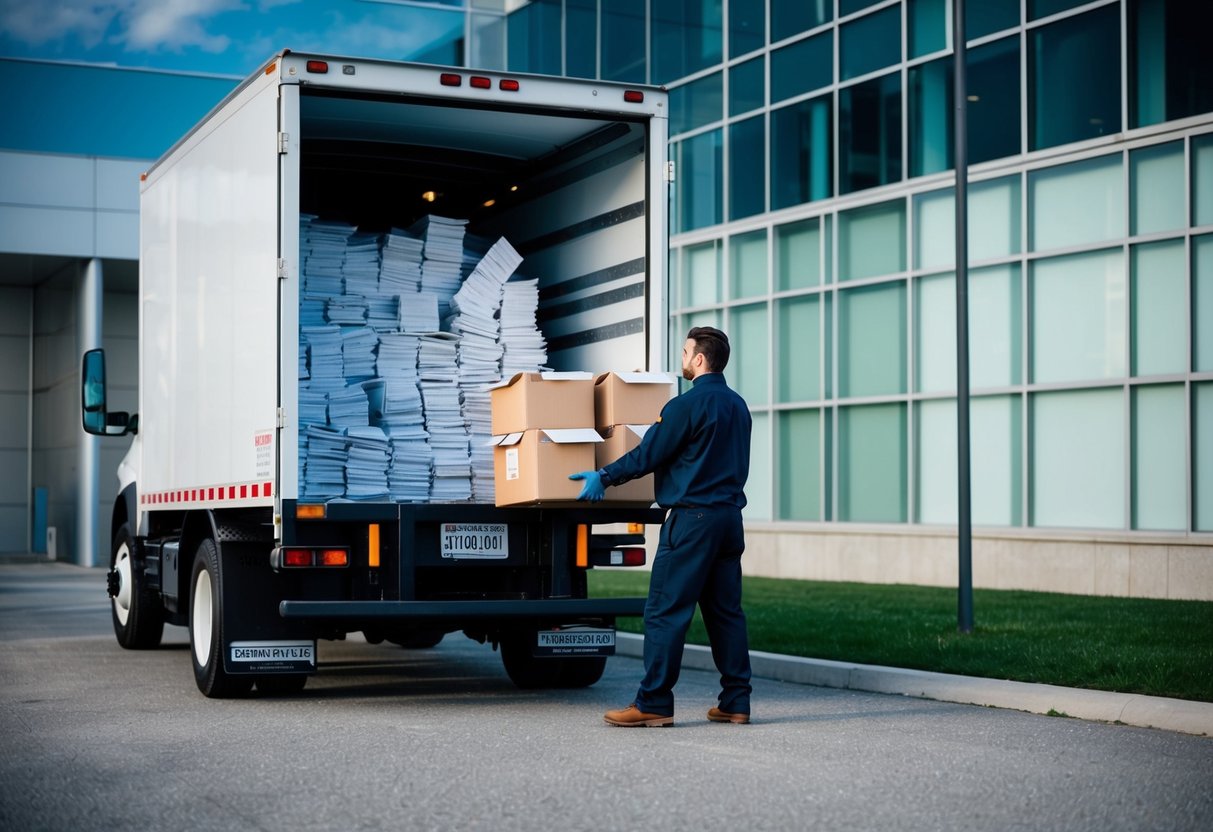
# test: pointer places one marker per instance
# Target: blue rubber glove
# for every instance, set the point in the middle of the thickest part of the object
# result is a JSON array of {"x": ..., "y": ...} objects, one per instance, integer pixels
[{"x": 593, "y": 490}]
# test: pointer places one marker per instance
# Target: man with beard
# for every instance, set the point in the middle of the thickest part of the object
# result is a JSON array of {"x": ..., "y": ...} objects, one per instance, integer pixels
[{"x": 699, "y": 454}]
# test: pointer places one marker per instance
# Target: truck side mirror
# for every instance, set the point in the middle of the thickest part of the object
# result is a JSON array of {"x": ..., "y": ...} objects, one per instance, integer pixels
[{"x": 97, "y": 420}]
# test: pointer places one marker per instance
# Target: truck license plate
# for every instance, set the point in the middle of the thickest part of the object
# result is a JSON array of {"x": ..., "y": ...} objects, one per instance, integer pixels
[
  {"x": 487, "y": 541},
  {"x": 576, "y": 641}
]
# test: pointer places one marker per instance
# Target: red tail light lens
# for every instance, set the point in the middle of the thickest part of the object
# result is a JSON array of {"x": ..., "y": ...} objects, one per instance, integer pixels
[
  {"x": 296, "y": 557},
  {"x": 320, "y": 67},
  {"x": 450, "y": 79}
]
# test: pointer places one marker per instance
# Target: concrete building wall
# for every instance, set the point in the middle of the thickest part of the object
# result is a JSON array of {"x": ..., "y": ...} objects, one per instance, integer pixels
[{"x": 16, "y": 307}]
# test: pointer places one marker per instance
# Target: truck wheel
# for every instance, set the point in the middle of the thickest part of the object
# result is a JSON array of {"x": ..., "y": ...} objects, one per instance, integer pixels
[
  {"x": 525, "y": 670},
  {"x": 206, "y": 628},
  {"x": 581, "y": 673},
  {"x": 136, "y": 611}
]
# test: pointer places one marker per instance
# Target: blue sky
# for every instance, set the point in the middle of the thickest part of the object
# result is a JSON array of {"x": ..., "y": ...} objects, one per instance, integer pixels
[{"x": 225, "y": 37}]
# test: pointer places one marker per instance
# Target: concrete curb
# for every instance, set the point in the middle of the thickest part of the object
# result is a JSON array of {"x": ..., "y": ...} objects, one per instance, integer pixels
[{"x": 1180, "y": 715}]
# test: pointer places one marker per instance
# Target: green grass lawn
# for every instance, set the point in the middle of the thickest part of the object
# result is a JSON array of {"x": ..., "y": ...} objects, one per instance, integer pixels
[{"x": 1134, "y": 645}]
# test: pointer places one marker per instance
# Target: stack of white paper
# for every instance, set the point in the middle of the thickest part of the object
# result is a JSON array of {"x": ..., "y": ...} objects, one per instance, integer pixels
[
  {"x": 313, "y": 407},
  {"x": 366, "y": 463},
  {"x": 442, "y": 256},
  {"x": 360, "y": 270},
  {"x": 419, "y": 312},
  {"x": 322, "y": 246},
  {"x": 410, "y": 470},
  {"x": 437, "y": 357},
  {"x": 346, "y": 310},
  {"x": 358, "y": 344},
  {"x": 397, "y": 357},
  {"x": 349, "y": 407},
  {"x": 448, "y": 441},
  {"x": 523, "y": 345},
  {"x": 324, "y": 356},
  {"x": 324, "y": 471},
  {"x": 400, "y": 263},
  {"x": 383, "y": 312}
]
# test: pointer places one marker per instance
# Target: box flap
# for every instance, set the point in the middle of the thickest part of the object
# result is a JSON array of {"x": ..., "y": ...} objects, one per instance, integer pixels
[
  {"x": 646, "y": 378},
  {"x": 505, "y": 439},
  {"x": 565, "y": 436},
  {"x": 639, "y": 430},
  {"x": 506, "y": 382},
  {"x": 572, "y": 375}
]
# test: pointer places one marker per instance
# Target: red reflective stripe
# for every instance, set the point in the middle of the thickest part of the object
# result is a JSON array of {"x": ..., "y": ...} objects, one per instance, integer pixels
[
  {"x": 256, "y": 489},
  {"x": 269, "y": 489},
  {"x": 243, "y": 491}
]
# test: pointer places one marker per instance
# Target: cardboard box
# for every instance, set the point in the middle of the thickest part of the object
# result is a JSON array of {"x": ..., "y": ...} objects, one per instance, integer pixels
[
  {"x": 617, "y": 441},
  {"x": 534, "y": 401},
  {"x": 630, "y": 398},
  {"x": 533, "y": 466}
]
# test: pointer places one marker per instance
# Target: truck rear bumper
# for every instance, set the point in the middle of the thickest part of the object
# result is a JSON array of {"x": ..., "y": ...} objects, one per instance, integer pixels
[{"x": 549, "y": 609}]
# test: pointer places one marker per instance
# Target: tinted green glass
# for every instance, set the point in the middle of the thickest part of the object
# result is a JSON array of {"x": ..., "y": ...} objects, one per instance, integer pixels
[
  {"x": 1202, "y": 179},
  {"x": 758, "y": 495},
  {"x": 1043, "y": 8},
  {"x": 995, "y": 460},
  {"x": 799, "y": 464},
  {"x": 747, "y": 167},
  {"x": 747, "y": 26},
  {"x": 534, "y": 38},
  {"x": 1078, "y": 459},
  {"x": 869, "y": 43},
  {"x": 1159, "y": 458},
  {"x": 799, "y": 349},
  {"x": 749, "y": 363},
  {"x": 869, "y": 134},
  {"x": 802, "y": 66},
  {"x": 872, "y": 240},
  {"x": 872, "y": 340},
  {"x": 790, "y": 17},
  {"x": 798, "y": 255},
  {"x": 748, "y": 86},
  {"x": 993, "y": 223},
  {"x": 581, "y": 38},
  {"x": 801, "y": 153},
  {"x": 1074, "y": 79},
  {"x": 1156, "y": 179},
  {"x": 990, "y": 16},
  {"x": 929, "y": 26},
  {"x": 846, "y": 7},
  {"x": 1160, "y": 332},
  {"x": 1170, "y": 62},
  {"x": 699, "y": 184},
  {"x": 1202, "y": 303},
  {"x": 687, "y": 37},
  {"x": 1078, "y": 317},
  {"x": 872, "y": 463},
  {"x": 623, "y": 22},
  {"x": 1075, "y": 204},
  {"x": 697, "y": 103},
  {"x": 748, "y": 264},
  {"x": 1202, "y": 456},
  {"x": 701, "y": 267}
]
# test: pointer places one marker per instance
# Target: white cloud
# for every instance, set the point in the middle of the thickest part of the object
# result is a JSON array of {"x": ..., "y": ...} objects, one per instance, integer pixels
[
  {"x": 38, "y": 23},
  {"x": 175, "y": 24}
]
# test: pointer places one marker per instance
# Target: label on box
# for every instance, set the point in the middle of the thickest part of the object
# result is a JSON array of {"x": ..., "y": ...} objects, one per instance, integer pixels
[{"x": 511, "y": 463}]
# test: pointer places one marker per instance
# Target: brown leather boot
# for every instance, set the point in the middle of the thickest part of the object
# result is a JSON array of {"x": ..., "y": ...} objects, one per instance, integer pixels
[
  {"x": 717, "y": 715},
  {"x": 633, "y": 717}
]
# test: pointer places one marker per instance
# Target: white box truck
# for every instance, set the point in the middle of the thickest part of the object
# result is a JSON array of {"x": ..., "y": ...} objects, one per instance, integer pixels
[{"x": 213, "y": 527}]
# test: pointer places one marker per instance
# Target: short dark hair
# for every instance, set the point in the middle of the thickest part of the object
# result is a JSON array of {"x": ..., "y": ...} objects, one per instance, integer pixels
[{"x": 713, "y": 345}]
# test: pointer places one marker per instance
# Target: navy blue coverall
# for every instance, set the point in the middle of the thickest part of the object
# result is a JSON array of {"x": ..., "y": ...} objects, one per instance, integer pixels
[{"x": 699, "y": 454}]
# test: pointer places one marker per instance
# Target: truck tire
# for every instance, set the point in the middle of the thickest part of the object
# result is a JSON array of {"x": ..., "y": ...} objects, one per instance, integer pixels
[
  {"x": 530, "y": 672},
  {"x": 136, "y": 611},
  {"x": 206, "y": 627}
]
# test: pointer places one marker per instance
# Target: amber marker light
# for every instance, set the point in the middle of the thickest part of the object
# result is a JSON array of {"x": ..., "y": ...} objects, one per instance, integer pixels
[
  {"x": 583, "y": 545},
  {"x": 372, "y": 545},
  {"x": 309, "y": 511},
  {"x": 332, "y": 557}
]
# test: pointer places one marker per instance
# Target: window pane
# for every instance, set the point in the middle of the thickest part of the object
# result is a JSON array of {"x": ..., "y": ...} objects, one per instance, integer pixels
[
  {"x": 790, "y": 17},
  {"x": 1043, "y": 8},
  {"x": 872, "y": 463},
  {"x": 758, "y": 486},
  {"x": 748, "y": 264},
  {"x": 797, "y": 255},
  {"x": 846, "y": 7},
  {"x": 748, "y": 86},
  {"x": 698, "y": 188},
  {"x": 1202, "y": 180},
  {"x": 1169, "y": 60},
  {"x": 869, "y": 134},
  {"x": 1202, "y": 457},
  {"x": 994, "y": 325},
  {"x": 686, "y": 37},
  {"x": 1074, "y": 76},
  {"x": 535, "y": 38},
  {"x": 1160, "y": 332},
  {"x": 1078, "y": 317},
  {"x": 805, "y": 65},
  {"x": 993, "y": 224},
  {"x": 994, "y": 460},
  {"x": 488, "y": 50},
  {"x": 1202, "y": 303},
  {"x": 623, "y": 24},
  {"x": 1156, "y": 183},
  {"x": 801, "y": 153},
  {"x": 581, "y": 38},
  {"x": 799, "y": 352},
  {"x": 749, "y": 365},
  {"x": 1078, "y": 459},
  {"x": 990, "y": 16},
  {"x": 869, "y": 43},
  {"x": 872, "y": 340},
  {"x": 872, "y": 240},
  {"x": 702, "y": 269},
  {"x": 696, "y": 104},
  {"x": 930, "y": 26},
  {"x": 1159, "y": 458},
  {"x": 747, "y": 167},
  {"x": 1075, "y": 204},
  {"x": 800, "y": 465},
  {"x": 747, "y": 26}
]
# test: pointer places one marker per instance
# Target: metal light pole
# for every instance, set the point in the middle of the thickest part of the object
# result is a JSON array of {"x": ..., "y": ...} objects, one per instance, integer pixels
[{"x": 964, "y": 607}]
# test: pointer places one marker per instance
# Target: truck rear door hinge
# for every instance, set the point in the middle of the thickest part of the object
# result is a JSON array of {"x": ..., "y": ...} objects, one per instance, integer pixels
[
  {"x": 281, "y": 269},
  {"x": 281, "y": 418},
  {"x": 669, "y": 171},
  {"x": 283, "y": 142}
]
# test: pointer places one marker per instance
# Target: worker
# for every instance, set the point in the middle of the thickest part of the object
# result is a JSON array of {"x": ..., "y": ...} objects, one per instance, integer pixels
[{"x": 699, "y": 454}]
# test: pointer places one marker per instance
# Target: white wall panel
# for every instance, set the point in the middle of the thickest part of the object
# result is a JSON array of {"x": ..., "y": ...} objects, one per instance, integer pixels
[
  {"x": 63, "y": 231},
  {"x": 46, "y": 180}
]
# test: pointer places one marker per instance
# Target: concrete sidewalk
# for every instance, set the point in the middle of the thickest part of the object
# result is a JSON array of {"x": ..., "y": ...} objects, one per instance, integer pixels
[{"x": 1181, "y": 715}]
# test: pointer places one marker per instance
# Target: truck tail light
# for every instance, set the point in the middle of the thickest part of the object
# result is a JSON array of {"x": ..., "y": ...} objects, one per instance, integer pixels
[
  {"x": 301, "y": 557},
  {"x": 296, "y": 557},
  {"x": 481, "y": 83},
  {"x": 619, "y": 556},
  {"x": 509, "y": 85},
  {"x": 318, "y": 67},
  {"x": 633, "y": 96},
  {"x": 332, "y": 557},
  {"x": 635, "y": 528},
  {"x": 450, "y": 79}
]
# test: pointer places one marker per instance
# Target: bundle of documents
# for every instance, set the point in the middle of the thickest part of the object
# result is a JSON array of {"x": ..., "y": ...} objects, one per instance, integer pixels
[
  {"x": 442, "y": 256},
  {"x": 324, "y": 353},
  {"x": 323, "y": 462},
  {"x": 383, "y": 312},
  {"x": 400, "y": 263},
  {"x": 523, "y": 346},
  {"x": 448, "y": 441},
  {"x": 322, "y": 246},
  {"x": 437, "y": 357},
  {"x": 360, "y": 270},
  {"x": 349, "y": 408},
  {"x": 419, "y": 312},
  {"x": 313, "y": 407},
  {"x": 410, "y": 470},
  {"x": 366, "y": 463},
  {"x": 358, "y": 345},
  {"x": 346, "y": 310}
]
